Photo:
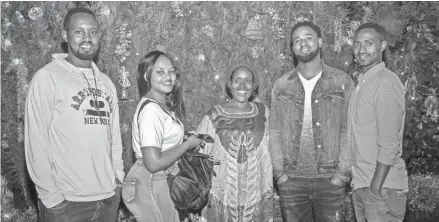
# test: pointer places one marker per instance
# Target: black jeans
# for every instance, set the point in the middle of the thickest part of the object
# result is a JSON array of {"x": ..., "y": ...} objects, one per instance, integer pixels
[
  {"x": 105, "y": 210},
  {"x": 305, "y": 200}
]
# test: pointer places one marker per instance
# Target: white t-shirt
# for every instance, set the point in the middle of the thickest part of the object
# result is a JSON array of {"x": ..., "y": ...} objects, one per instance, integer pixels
[
  {"x": 156, "y": 128},
  {"x": 306, "y": 164},
  {"x": 308, "y": 86}
]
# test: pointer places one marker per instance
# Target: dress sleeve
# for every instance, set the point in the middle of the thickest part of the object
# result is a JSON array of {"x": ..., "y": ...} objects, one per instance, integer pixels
[{"x": 151, "y": 126}]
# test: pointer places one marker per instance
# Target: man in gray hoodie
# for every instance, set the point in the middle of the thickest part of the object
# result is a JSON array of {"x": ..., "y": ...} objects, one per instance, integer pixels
[{"x": 73, "y": 143}]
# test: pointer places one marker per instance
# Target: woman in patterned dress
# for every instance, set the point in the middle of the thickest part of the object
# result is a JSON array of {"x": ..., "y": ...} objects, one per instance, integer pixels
[{"x": 243, "y": 187}]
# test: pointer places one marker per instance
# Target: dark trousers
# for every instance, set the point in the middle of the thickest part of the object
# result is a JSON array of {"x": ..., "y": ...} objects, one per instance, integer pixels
[
  {"x": 105, "y": 210},
  {"x": 306, "y": 200}
]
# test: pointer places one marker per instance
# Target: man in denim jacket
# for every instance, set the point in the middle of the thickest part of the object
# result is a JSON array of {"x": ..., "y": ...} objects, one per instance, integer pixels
[{"x": 308, "y": 132}]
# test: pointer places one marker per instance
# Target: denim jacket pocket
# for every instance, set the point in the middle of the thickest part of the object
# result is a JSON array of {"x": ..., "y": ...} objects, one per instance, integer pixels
[
  {"x": 285, "y": 97},
  {"x": 333, "y": 104},
  {"x": 129, "y": 188}
]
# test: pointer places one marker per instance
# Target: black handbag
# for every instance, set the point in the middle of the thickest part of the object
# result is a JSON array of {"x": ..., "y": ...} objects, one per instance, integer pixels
[{"x": 190, "y": 188}]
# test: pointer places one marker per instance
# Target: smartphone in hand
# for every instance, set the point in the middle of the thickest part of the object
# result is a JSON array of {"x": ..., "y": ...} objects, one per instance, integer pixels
[{"x": 206, "y": 138}]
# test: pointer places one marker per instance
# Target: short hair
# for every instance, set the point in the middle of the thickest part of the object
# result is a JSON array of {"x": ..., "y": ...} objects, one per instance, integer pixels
[
  {"x": 306, "y": 24},
  {"x": 255, "y": 82},
  {"x": 378, "y": 28},
  {"x": 73, "y": 11}
]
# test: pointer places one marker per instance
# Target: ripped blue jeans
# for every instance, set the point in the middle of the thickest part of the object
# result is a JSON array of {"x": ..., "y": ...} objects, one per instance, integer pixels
[{"x": 304, "y": 200}]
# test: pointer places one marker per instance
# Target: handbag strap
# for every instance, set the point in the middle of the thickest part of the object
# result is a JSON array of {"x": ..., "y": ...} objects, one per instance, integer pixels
[
  {"x": 164, "y": 110},
  {"x": 140, "y": 109},
  {"x": 196, "y": 154}
]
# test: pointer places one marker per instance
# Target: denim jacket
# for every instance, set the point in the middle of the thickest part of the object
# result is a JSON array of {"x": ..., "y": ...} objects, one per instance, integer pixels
[{"x": 330, "y": 102}]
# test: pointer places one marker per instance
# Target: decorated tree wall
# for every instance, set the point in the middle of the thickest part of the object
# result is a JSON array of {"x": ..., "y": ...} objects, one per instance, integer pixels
[{"x": 207, "y": 40}]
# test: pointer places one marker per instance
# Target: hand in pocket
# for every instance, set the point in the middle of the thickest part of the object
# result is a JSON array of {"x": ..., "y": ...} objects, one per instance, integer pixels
[{"x": 60, "y": 205}]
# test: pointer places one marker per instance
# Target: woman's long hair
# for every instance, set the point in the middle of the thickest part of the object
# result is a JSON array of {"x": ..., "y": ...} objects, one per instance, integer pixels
[{"x": 174, "y": 100}]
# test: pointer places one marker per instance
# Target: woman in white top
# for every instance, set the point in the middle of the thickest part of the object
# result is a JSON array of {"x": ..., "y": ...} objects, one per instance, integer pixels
[{"x": 157, "y": 140}]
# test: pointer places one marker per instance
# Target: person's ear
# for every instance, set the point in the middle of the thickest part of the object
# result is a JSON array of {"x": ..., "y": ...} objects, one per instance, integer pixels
[
  {"x": 320, "y": 40},
  {"x": 383, "y": 45},
  {"x": 228, "y": 84},
  {"x": 255, "y": 90},
  {"x": 64, "y": 35}
]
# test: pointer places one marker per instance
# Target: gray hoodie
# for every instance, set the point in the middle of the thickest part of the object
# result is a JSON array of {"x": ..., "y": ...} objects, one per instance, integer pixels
[{"x": 73, "y": 143}]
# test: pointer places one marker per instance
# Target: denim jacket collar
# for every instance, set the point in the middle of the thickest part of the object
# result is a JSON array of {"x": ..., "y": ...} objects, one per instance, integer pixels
[{"x": 325, "y": 72}]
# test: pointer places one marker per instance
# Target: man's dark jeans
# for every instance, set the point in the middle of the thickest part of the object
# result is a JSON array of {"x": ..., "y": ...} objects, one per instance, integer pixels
[
  {"x": 105, "y": 210},
  {"x": 305, "y": 200}
]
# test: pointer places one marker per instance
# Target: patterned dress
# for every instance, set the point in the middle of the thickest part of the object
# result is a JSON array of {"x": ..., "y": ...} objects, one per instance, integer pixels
[{"x": 243, "y": 187}]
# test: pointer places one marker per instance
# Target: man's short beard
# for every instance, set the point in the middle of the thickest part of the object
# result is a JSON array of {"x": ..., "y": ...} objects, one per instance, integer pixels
[
  {"x": 83, "y": 56},
  {"x": 306, "y": 58}
]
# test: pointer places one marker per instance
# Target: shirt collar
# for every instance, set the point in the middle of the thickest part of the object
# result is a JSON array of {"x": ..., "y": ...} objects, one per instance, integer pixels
[
  {"x": 325, "y": 72},
  {"x": 313, "y": 80},
  {"x": 372, "y": 72}
]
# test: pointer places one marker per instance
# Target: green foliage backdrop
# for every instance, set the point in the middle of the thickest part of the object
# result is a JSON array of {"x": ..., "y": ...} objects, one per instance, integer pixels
[{"x": 207, "y": 40}]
